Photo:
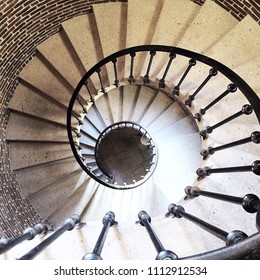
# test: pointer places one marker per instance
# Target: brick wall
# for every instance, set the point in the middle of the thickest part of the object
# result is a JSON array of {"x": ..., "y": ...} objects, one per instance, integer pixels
[
  {"x": 23, "y": 25},
  {"x": 238, "y": 8}
]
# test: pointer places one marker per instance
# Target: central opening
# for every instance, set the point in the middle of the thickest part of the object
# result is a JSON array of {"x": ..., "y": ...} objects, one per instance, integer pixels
[{"x": 126, "y": 153}]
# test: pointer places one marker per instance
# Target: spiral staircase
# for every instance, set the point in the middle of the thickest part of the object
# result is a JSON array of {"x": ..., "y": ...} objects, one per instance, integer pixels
[{"x": 109, "y": 116}]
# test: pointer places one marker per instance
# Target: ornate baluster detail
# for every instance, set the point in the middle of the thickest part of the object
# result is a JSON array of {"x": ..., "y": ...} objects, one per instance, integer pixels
[
  {"x": 131, "y": 79},
  {"x": 81, "y": 104},
  {"x": 145, "y": 220},
  {"x": 162, "y": 80},
  {"x": 100, "y": 81},
  {"x": 255, "y": 138},
  {"x": 176, "y": 91},
  {"x": 75, "y": 115},
  {"x": 108, "y": 221},
  {"x": 230, "y": 88},
  {"x": 75, "y": 131},
  {"x": 114, "y": 61},
  {"x": 89, "y": 92},
  {"x": 230, "y": 238},
  {"x": 146, "y": 78},
  {"x": 207, "y": 171},
  {"x": 28, "y": 234},
  {"x": 68, "y": 225},
  {"x": 212, "y": 72},
  {"x": 246, "y": 110}
]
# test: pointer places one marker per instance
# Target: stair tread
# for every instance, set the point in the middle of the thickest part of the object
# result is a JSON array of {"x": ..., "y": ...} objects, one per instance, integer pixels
[
  {"x": 87, "y": 45},
  {"x": 46, "y": 201},
  {"x": 129, "y": 96},
  {"x": 140, "y": 27},
  {"x": 115, "y": 98},
  {"x": 26, "y": 128},
  {"x": 115, "y": 25},
  {"x": 46, "y": 81},
  {"x": 244, "y": 34},
  {"x": 145, "y": 97},
  {"x": 61, "y": 55},
  {"x": 169, "y": 32},
  {"x": 77, "y": 203},
  {"x": 27, "y": 154},
  {"x": 29, "y": 101},
  {"x": 205, "y": 31},
  {"x": 47, "y": 174}
]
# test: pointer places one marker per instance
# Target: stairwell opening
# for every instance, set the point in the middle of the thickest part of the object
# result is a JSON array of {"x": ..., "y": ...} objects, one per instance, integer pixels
[{"x": 126, "y": 153}]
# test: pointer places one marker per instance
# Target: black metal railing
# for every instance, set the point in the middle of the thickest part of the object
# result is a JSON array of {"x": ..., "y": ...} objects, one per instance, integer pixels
[
  {"x": 152, "y": 50},
  {"x": 69, "y": 224},
  {"x": 245, "y": 244},
  {"x": 28, "y": 234},
  {"x": 145, "y": 220},
  {"x": 108, "y": 221},
  {"x": 230, "y": 238}
]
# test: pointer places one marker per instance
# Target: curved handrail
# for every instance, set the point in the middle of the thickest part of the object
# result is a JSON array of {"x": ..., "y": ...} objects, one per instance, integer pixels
[{"x": 230, "y": 74}]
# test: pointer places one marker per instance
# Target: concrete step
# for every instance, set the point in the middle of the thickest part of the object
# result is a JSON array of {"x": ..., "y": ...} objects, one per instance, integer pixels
[
  {"x": 47, "y": 174},
  {"x": 34, "y": 129},
  {"x": 58, "y": 51},
  {"x": 87, "y": 45},
  {"x": 205, "y": 31},
  {"x": 29, "y": 154},
  {"x": 160, "y": 104},
  {"x": 244, "y": 34},
  {"x": 47, "y": 80},
  {"x": 77, "y": 203},
  {"x": 112, "y": 32},
  {"x": 29, "y": 101},
  {"x": 249, "y": 71},
  {"x": 52, "y": 197},
  {"x": 130, "y": 96},
  {"x": 169, "y": 32},
  {"x": 141, "y": 25},
  {"x": 145, "y": 99},
  {"x": 115, "y": 99}
]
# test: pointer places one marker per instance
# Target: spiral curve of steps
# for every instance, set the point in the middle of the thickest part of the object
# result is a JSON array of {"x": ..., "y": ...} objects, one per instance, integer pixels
[{"x": 51, "y": 178}]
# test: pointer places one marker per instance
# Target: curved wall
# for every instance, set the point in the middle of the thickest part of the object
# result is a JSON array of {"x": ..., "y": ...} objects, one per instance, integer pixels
[{"x": 23, "y": 25}]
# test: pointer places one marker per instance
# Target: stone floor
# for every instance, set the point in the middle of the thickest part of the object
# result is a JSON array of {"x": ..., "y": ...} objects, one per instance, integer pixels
[{"x": 124, "y": 154}]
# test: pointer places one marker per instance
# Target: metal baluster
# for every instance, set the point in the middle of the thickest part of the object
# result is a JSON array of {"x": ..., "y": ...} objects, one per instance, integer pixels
[
  {"x": 69, "y": 224},
  {"x": 75, "y": 131},
  {"x": 230, "y": 238},
  {"x": 131, "y": 79},
  {"x": 212, "y": 72},
  {"x": 145, "y": 220},
  {"x": 176, "y": 90},
  {"x": 207, "y": 171},
  {"x": 255, "y": 138},
  {"x": 116, "y": 83},
  {"x": 246, "y": 110},
  {"x": 81, "y": 104},
  {"x": 146, "y": 78},
  {"x": 230, "y": 88},
  {"x": 28, "y": 234},
  {"x": 89, "y": 92},
  {"x": 100, "y": 80},
  {"x": 162, "y": 80},
  {"x": 108, "y": 221},
  {"x": 74, "y": 114}
]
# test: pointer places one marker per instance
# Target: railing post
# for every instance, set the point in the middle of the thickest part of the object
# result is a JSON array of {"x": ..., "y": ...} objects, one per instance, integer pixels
[
  {"x": 246, "y": 110},
  {"x": 212, "y": 72},
  {"x": 176, "y": 90},
  {"x": 69, "y": 224},
  {"x": 28, "y": 234},
  {"x": 116, "y": 82},
  {"x": 145, "y": 220},
  {"x": 146, "y": 78},
  {"x": 131, "y": 79},
  {"x": 207, "y": 171},
  {"x": 255, "y": 138},
  {"x": 230, "y": 88},
  {"x": 230, "y": 238},
  {"x": 108, "y": 221},
  {"x": 162, "y": 80}
]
